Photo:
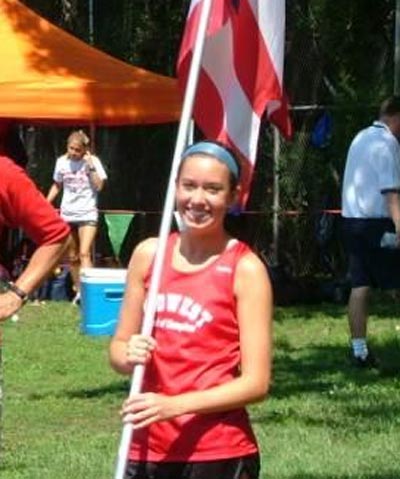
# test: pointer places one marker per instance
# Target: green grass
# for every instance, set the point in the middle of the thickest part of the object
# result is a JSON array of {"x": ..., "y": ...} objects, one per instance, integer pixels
[{"x": 323, "y": 420}]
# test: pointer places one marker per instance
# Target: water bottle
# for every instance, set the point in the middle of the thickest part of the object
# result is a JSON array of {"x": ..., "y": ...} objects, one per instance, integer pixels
[{"x": 389, "y": 240}]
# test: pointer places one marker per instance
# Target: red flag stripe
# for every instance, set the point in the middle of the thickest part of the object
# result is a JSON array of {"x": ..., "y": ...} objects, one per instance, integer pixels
[{"x": 251, "y": 58}]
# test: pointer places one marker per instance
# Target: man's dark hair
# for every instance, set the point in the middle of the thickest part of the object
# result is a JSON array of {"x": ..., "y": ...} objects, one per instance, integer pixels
[{"x": 390, "y": 106}]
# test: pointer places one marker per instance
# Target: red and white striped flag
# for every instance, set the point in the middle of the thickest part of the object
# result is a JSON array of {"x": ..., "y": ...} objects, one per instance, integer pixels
[{"x": 241, "y": 73}]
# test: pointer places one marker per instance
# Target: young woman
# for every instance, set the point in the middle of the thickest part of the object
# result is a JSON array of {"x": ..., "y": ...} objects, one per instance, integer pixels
[
  {"x": 210, "y": 354},
  {"x": 81, "y": 176}
]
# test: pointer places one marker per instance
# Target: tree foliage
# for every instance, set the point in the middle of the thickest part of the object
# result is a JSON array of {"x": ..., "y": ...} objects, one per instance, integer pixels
[{"x": 339, "y": 57}]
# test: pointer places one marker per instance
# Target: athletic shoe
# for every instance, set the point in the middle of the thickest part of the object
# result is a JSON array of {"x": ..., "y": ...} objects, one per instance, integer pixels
[
  {"x": 370, "y": 362},
  {"x": 77, "y": 299}
]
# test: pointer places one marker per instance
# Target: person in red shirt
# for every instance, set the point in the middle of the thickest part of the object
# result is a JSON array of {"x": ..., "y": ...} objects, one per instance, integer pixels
[
  {"x": 23, "y": 206},
  {"x": 210, "y": 354}
]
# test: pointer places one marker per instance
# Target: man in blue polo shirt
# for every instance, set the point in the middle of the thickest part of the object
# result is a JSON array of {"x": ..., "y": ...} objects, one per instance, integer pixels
[{"x": 370, "y": 208}]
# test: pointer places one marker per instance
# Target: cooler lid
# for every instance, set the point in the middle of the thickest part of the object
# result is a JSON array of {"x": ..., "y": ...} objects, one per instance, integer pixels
[{"x": 103, "y": 273}]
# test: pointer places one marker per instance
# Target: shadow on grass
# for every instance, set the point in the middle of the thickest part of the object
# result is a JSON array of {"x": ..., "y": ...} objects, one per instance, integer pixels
[
  {"x": 119, "y": 387},
  {"x": 309, "y": 311},
  {"x": 380, "y": 475},
  {"x": 7, "y": 465},
  {"x": 325, "y": 371},
  {"x": 350, "y": 415},
  {"x": 317, "y": 368},
  {"x": 383, "y": 304}
]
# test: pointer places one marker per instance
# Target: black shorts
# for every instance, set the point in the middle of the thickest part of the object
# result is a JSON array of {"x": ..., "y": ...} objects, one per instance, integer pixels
[
  {"x": 78, "y": 224},
  {"x": 222, "y": 469},
  {"x": 369, "y": 263}
]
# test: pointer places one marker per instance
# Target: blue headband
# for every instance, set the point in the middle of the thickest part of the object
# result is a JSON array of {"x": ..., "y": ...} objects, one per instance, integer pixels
[{"x": 213, "y": 149}]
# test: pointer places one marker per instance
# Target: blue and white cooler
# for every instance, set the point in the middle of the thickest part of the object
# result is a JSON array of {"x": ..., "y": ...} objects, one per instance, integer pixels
[{"x": 102, "y": 290}]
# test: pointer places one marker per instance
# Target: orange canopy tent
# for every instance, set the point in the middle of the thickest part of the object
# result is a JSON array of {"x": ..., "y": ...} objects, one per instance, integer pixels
[{"x": 49, "y": 75}]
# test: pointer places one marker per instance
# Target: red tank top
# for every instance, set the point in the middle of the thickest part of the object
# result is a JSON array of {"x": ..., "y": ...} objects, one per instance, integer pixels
[{"x": 197, "y": 348}]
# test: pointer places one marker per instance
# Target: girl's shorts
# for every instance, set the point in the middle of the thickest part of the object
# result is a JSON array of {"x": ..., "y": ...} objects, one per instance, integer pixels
[{"x": 246, "y": 467}]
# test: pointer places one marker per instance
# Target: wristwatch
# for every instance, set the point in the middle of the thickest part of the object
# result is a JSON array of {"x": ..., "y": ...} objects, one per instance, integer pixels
[{"x": 18, "y": 291}]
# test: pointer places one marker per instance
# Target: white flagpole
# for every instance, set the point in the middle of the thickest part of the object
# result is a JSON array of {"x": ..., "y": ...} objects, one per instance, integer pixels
[{"x": 148, "y": 321}]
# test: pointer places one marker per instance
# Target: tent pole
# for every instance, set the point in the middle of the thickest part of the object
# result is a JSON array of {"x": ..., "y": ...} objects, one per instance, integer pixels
[
  {"x": 396, "y": 89},
  {"x": 276, "y": 199},
  {"x": 92, "y": 136},
  {"x": 91, "y": 23},
  {"x": 92, "y": 127},
  {"x": 182, "y": 136}
]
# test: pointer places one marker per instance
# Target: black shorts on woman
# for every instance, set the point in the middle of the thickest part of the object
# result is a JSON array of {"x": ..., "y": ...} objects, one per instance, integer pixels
[
  {"x": 79, "y": 224},
  {"x": 247, "y": 467}
]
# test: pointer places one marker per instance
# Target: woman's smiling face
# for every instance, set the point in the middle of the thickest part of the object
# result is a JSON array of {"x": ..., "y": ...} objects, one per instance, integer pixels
[{"x": 203, "y": 193}]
